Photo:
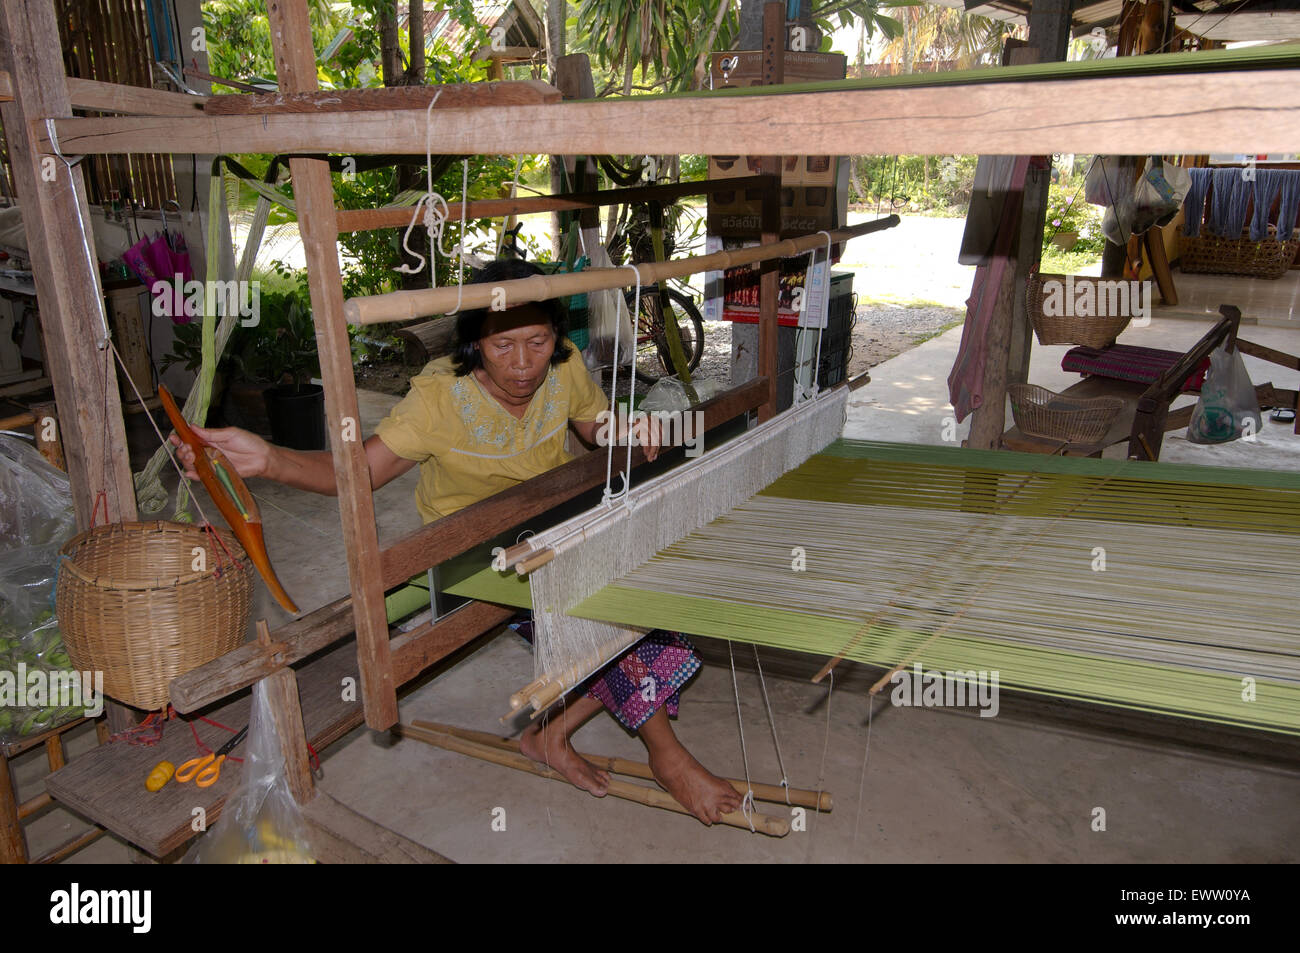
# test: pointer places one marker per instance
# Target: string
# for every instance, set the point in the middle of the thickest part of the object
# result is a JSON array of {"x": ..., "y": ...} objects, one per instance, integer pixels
[
  {"x": 184, "y": 481},
  {"x": 747, "y": 804},
  {"x": 862, "y": 778},
  {"x": 821, "y": 769},
  {"x": 811, "y": 391},
  {"x": 609, "y": 497},
  {"x": 771, "y": 722},
  {"x": 435, "y": 213}
]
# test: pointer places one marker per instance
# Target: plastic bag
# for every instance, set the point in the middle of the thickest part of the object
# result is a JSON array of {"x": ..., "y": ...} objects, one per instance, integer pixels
[
  {"x": 261, "y": 822},
  {"x": 1109, "y": 179},
  {"x": 36, "y": 518},
  {"x": 1228, "y": 408},
  {"x": 670, "y": 394},
  {"x": 1154, "y": 199}
]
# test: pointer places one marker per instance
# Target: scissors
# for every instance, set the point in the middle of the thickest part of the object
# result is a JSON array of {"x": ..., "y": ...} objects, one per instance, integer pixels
[{"x": 207, "y": 769}]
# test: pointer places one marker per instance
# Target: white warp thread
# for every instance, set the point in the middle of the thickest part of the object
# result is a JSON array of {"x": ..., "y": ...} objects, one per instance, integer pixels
[{"x": 598, "y": 546}]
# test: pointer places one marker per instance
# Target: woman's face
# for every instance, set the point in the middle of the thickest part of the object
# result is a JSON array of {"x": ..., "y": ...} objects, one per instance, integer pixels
[{"x": 516, "y": 356}]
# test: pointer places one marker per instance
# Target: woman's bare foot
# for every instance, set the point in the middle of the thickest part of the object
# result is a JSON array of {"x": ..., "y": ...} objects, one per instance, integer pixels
[
  {"x": 705, "y": 795},
  {"x": 549, "y": 744}
]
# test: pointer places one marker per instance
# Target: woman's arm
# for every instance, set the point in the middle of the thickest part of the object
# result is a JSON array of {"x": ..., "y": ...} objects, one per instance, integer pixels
[
  {"x": 251, "y": 456},
  {"x": 645, "y": 429}
]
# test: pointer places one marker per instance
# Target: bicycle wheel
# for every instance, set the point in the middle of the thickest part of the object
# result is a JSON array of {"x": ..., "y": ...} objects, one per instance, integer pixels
[{"x": 653, "y": 360}]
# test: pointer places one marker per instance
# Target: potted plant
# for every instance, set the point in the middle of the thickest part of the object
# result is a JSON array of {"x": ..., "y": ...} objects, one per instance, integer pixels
[{"x": 283, "y": 353}]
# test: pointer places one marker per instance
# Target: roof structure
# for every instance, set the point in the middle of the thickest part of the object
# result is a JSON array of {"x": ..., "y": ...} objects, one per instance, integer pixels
[{"x": 1222, "y": 20}]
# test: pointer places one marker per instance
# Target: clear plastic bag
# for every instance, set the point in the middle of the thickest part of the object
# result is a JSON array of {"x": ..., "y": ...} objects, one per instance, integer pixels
[
  {"x": 36, "y": 518},
  {"x": 1228, "y": 408},
  {"x": 669, "y": 393},
  {"x": 261, "y": 822}
]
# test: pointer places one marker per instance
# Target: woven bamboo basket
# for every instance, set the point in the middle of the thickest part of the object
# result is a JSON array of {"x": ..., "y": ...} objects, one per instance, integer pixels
[
  {"x": 1040, "y": 412},
  {"x": 132, "y": 606},
  {"x": 1215, "y": 255},
  {"x": 1089, "y": 330}
]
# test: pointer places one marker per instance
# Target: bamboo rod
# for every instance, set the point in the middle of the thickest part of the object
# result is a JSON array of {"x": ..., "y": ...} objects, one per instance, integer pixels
[
  {"x": 815, "y": 800},
  {"x": 406, "y": 305},
  {"x": 650, "y": 797},
  {"x": 544, "y": 691},
  {"x": 399, "y": 216}
]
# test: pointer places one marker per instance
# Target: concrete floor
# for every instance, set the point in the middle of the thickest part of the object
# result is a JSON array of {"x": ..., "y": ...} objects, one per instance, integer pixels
[{"x": 935, "y": 785}]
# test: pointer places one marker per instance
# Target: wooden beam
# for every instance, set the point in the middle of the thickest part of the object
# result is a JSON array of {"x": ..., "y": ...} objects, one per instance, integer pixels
[
  {"x": 507, "y": 54},
  {"x": 475, "y": 524},
  {"x": 769, "y": 282},
  {"x": 415, "y": 651},
  {"x": 135, "y": 100},
  {"x": 295, "y": 63},
  {"x": 407, "y": 305},
  {"x": 64, "y": 267},
  {"x": 1253, "y": 110},
  {"x": 394, "y": 216},
  {"x": 241, "y": 667},
  {"x": 339, "y": 835},
  {"x": 529, "y": 92},
  {"x": 6, "y": 87}
]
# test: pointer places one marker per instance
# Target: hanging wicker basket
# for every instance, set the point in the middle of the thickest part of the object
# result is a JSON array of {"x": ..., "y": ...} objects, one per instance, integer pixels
[
  {"x": 1040, "y": 412},
  {"x": 131, "y": 604},
  {"x": 1088, "y": 330}
]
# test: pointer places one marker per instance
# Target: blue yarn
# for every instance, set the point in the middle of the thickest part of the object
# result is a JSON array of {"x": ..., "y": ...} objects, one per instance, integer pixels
[
  {"x": 1194, "y": 203},
  {"x": 1290, "y": 202},
  {"x": 1229, "y": 202},
  {"x": 1267, "y": 183}
]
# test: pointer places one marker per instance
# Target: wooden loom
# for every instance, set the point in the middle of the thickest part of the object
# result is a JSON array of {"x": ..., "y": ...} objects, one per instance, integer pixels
[
  {"x": 1082, "y": 108},
  {"x": 958, "y": 560}
]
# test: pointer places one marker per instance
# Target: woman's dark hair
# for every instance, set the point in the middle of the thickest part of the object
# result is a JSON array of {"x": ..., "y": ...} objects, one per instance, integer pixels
[{"x": 469, "y": 324}]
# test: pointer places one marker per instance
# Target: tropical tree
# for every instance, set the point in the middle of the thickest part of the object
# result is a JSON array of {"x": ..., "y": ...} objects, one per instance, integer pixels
[
  {"x": 669, "y": 41},
  {"x": 931, "y": 33}
]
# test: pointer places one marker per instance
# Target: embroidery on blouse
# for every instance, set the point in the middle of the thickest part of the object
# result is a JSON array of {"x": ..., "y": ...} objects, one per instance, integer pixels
[{"x": 491, "y": 425}]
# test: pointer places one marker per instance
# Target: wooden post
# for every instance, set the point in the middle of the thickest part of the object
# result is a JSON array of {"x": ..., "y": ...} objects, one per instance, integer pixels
[
  {"x": 1049, "y": 40},
  {"x": 13, "y": 845},
  {"x": 769, "y": 287},
  {"x": 282, "y": 694},
  {"x": 53, "y": 198},
  {"x": 46, "y": 429},
  {"x": 295, "y": 63},
  {"x": 988, "y": 420}
]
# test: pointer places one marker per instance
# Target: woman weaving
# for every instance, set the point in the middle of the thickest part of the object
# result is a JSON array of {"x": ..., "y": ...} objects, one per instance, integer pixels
[{"x": 492, "y": 415}]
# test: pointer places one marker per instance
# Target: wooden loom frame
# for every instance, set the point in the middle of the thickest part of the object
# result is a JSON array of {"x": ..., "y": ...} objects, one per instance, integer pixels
[{"x": 1228, "y": 111}]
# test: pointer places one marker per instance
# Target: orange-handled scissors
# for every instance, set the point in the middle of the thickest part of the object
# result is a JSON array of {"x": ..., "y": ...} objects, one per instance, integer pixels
[{"x": 207, "y": 769}]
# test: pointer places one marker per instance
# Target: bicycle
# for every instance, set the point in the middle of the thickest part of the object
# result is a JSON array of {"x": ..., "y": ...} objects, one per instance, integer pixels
[{"x": 653, "y": 361}]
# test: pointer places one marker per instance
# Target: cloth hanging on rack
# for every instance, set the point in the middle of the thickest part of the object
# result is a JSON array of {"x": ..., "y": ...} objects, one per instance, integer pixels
[
  {"x": 1194, "y": 203},
  {"x": 966, "y": 382}
]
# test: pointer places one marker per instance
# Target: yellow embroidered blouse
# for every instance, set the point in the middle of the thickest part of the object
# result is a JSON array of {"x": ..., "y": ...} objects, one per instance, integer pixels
[{"x": 469, "y": 446}]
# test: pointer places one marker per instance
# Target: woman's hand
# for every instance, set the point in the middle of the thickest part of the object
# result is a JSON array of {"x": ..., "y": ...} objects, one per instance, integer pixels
[
  {"x": 646, "y": 432},
  {"x": 248, "y": 453}
]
